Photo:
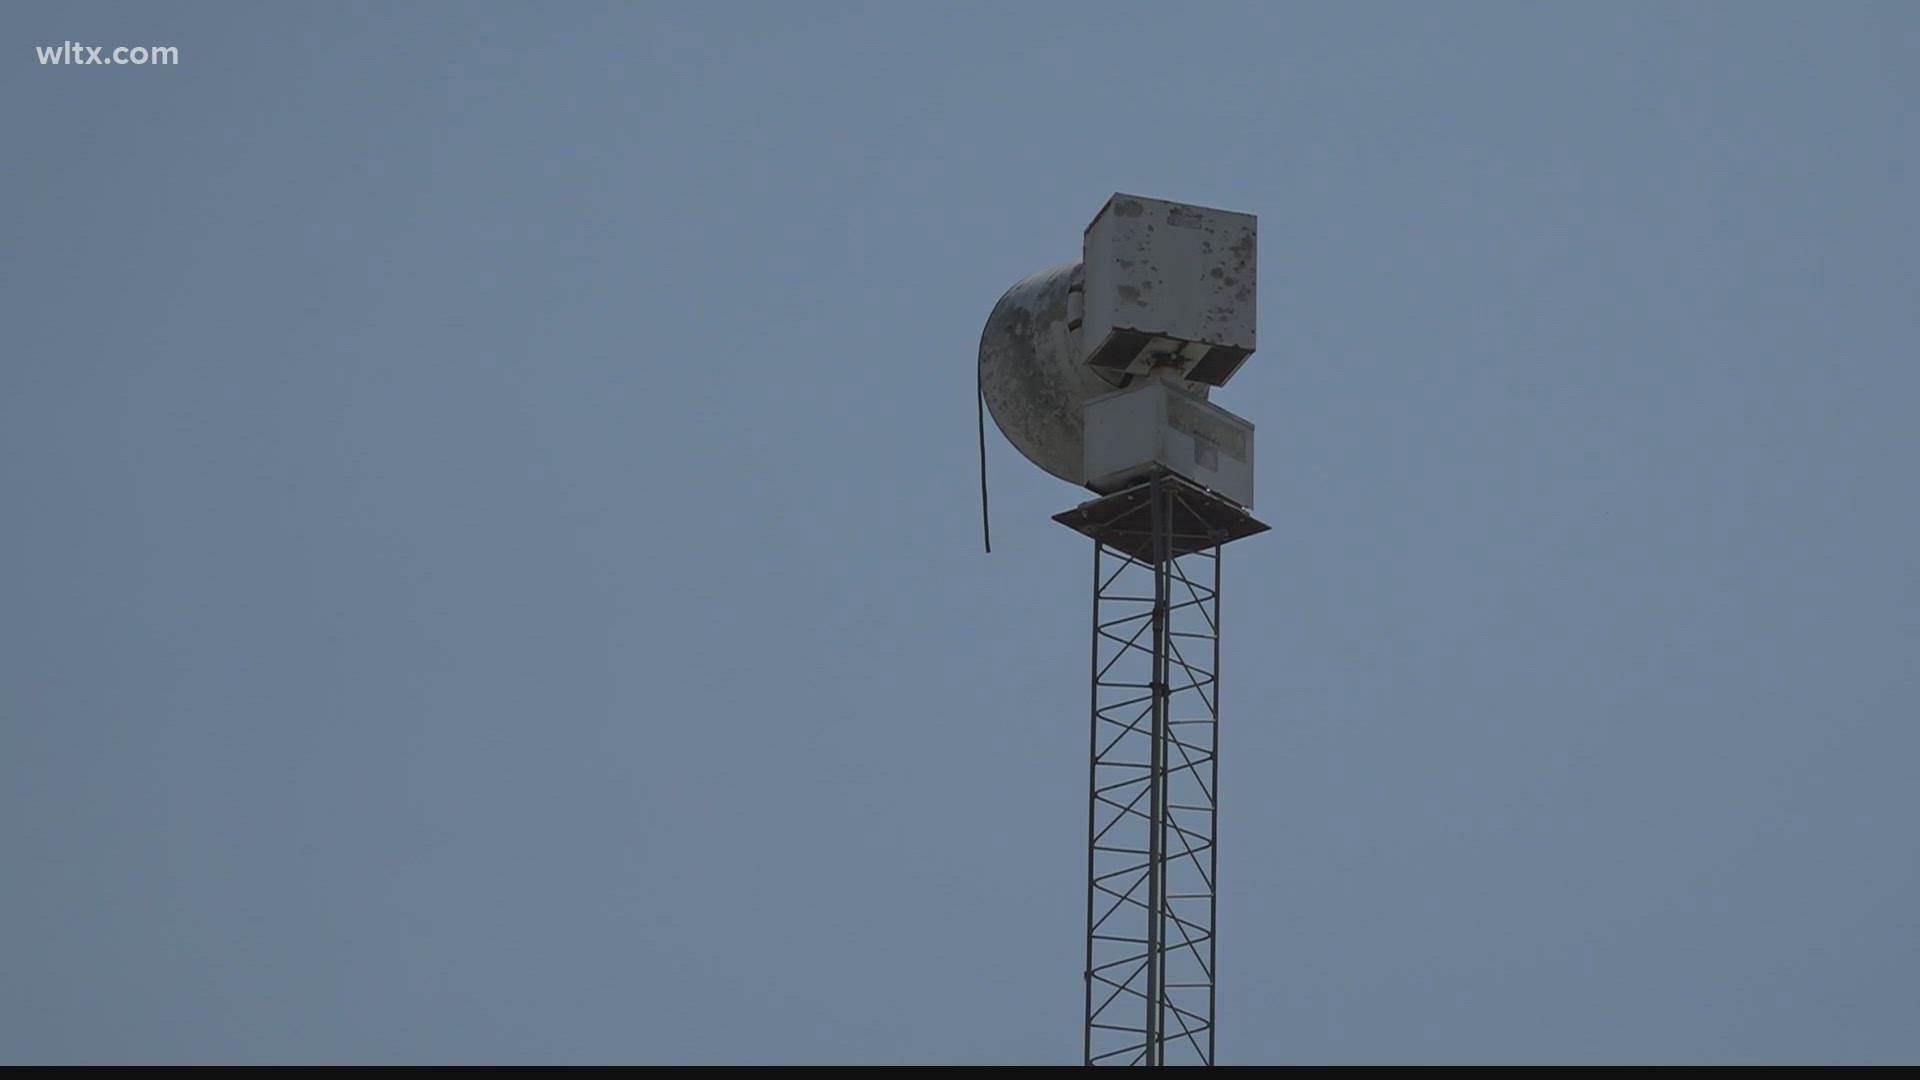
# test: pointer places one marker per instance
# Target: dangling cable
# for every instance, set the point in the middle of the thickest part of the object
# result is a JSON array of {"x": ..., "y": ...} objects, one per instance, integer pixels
[{"x": 980, "y": 402}]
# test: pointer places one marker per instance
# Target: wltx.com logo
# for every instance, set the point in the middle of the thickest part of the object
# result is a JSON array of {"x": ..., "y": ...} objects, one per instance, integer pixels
[{"x": 72, "y": 52}]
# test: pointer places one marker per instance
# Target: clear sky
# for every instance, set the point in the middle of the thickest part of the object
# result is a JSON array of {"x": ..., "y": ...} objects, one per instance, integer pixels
[{"x": 491, "y": 565}]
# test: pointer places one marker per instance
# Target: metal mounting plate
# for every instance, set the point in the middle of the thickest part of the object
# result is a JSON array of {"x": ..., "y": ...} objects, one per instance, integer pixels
[{"x": 1123, "y": 520}]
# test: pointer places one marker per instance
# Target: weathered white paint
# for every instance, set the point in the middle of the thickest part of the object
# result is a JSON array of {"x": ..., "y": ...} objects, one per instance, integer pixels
[{"x": 1035, "y": 384}]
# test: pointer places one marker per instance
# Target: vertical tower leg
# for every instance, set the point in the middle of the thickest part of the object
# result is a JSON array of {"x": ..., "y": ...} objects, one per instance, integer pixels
[{"x": 1152, "y": 806}]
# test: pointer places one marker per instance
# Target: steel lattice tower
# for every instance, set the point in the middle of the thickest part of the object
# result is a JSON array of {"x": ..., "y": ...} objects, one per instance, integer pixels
[
  {"x": 1153, "y": 797},
  {"x": 1098, "y": 371}
]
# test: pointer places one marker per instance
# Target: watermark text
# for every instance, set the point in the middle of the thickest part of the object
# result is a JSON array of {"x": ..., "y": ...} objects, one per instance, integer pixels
[{"x": 72, "y": 52}]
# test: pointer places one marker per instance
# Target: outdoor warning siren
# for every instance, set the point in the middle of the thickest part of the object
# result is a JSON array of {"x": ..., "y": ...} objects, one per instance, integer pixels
[
  {"x": 1098, "y": 371},
  {"x": 1162, "y": 290}
]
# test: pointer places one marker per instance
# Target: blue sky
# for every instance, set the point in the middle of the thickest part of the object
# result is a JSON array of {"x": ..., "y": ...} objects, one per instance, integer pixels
[{"x": 492, "y": 569}]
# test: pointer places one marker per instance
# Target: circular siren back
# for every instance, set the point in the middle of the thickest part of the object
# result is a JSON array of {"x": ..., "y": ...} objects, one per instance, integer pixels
[{"x": 1032, "y": 375}]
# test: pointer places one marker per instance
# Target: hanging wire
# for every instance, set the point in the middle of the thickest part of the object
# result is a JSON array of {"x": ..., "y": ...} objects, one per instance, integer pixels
[{"x": 980, "y": 402}]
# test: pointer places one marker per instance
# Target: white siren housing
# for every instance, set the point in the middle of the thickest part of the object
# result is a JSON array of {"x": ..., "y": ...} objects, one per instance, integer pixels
[{"x": 1162, "y": 289}]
